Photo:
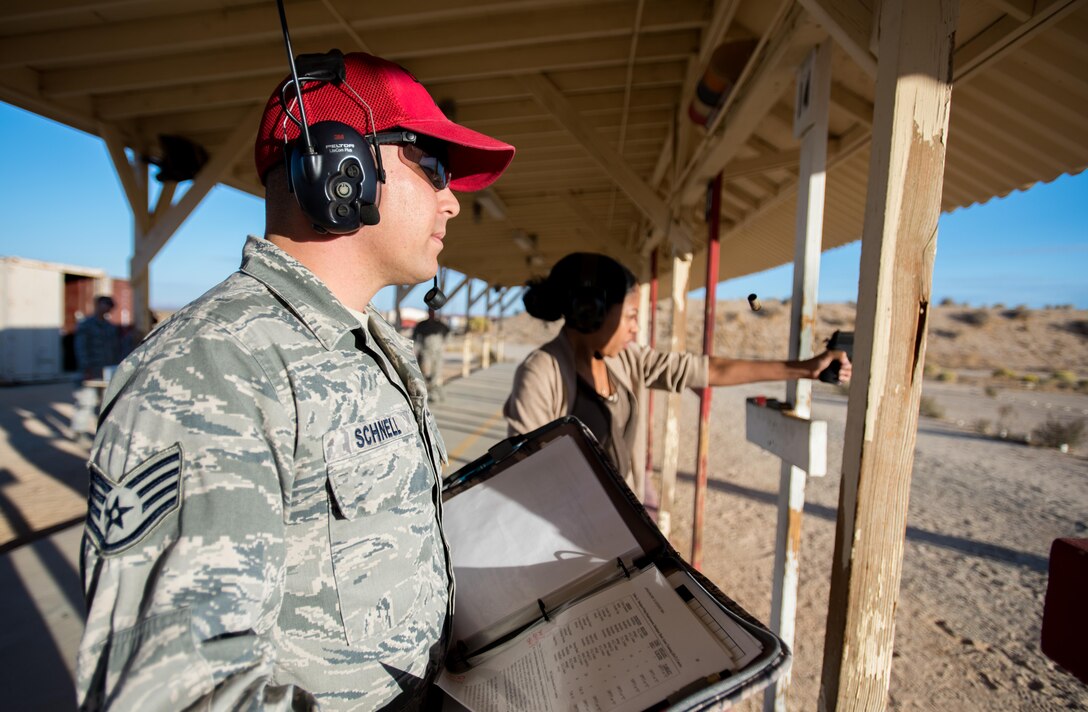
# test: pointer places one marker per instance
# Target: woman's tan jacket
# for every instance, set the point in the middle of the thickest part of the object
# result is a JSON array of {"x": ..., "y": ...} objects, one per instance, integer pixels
[{"x": 546, "y": 381}]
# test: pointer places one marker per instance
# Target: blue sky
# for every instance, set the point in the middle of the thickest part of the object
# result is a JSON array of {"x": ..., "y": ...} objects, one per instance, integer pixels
[{"x": 60, "y": 201}]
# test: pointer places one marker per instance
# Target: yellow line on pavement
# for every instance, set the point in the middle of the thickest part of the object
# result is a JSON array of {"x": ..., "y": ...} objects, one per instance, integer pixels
[{"x": 474, "y": 436}]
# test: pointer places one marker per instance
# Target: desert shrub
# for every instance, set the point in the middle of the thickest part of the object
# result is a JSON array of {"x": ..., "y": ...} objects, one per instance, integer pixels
[
  {"x": 478, "y": 324},
  {"x": 1004, "y": 373},
  {"x": 1082, "y": 385},
  {"x": 948, "y": 302},
  {"x": 1030, "y": 378},
  {"x": 1055, "y": 433},
  {"x": 972, "y": 318},
  {"x": 930, "y": 408},
  {"x": 983, "y": 426},
  {"x": 991, "y": 391},
  {"x": 1067, "y": 378},
  {"x": 931, "y": 370},
  {"x": 1077, "y": 326},
  {"x": 1020, "y": 312},
  {"x": 947, "y": 376}
]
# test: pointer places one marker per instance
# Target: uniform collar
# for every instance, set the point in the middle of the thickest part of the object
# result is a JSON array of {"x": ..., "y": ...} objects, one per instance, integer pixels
[
  {"x": 300, "y": 289},
  {"x": 323, "y": 314},
  {"x": 401, "y": 354}
]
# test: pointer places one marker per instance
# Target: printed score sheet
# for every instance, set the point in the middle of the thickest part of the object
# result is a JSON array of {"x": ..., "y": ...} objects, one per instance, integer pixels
[{"x": 620, "y": 650}]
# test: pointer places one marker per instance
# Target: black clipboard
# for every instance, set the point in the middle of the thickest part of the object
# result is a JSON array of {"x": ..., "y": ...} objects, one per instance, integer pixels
[{"x": 645, "y": 547}]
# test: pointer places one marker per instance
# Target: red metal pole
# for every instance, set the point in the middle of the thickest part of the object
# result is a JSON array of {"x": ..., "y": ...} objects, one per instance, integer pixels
[
  {"x": 650, "y": 401},
  {"x": 713, "y": 248}
]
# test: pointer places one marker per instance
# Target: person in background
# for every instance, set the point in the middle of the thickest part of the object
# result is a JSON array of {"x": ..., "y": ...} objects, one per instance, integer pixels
[
  {"x": 97, "y": 341},
  {"x": 595, "y": 371},
  {"x": 98, "y": 350},
  {"x": 264, "y": 527},
  {"x": 429, "y": 336}
]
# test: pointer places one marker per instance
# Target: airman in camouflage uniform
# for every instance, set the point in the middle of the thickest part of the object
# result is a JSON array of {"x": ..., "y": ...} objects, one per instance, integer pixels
[
  {"x": 264, "y": 519},
  {"x": 430, "y": 338}
]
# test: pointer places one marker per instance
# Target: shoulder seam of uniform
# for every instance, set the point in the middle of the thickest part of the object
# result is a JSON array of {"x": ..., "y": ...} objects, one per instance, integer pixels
[{"x": 233, "y": 336}]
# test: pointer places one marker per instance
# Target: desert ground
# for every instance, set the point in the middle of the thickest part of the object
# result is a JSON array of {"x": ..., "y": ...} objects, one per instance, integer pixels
[{"x": 983, "y": 510}]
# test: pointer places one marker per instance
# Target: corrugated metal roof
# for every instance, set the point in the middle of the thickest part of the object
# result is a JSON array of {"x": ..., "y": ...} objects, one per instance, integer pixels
[{"x": 149, "y": 67}]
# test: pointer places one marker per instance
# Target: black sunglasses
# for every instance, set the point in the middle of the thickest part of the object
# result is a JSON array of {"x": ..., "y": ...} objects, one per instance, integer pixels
[{"x": 428, "y": 155}]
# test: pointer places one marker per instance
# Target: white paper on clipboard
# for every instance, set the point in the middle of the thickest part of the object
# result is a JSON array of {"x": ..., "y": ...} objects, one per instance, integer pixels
[
  {"x": 499, "y": 567},
  {"x": 623, "y": 649}
]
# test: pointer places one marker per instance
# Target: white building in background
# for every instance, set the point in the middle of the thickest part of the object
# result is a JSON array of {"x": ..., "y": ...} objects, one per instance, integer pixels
[{"x": 40, "y": 305}]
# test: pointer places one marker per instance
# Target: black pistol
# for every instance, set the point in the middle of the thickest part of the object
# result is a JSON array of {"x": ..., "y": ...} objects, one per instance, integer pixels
[{"x": 839, "y": 341}]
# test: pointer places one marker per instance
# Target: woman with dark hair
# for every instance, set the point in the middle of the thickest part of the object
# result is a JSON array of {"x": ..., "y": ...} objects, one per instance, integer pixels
[{"x": 594, "y": 370}]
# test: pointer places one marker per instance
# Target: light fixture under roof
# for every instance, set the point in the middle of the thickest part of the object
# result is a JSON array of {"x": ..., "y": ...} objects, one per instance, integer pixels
[
  {"x": 490, "y": 201},
  {"x": 525, "y": 241}
]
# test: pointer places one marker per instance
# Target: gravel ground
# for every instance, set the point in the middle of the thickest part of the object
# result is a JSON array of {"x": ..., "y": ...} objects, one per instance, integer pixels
[{"x": 983, "y": 514}]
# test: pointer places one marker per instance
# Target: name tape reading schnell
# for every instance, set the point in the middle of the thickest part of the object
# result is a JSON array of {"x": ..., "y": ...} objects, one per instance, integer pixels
[{"x": 365, "y": 436}]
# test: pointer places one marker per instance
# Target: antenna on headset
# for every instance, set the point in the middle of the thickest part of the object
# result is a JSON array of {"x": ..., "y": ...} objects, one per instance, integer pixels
[{"x": 310, "y": 160}]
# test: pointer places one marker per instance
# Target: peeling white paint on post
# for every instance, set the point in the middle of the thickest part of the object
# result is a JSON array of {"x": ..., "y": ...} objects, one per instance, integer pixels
[
  {"x": 811, "y": 108},
  {"x": 906, "y": 179},
  {"x": 466, "y": 354},
  {"x": 681, "y": 268}
]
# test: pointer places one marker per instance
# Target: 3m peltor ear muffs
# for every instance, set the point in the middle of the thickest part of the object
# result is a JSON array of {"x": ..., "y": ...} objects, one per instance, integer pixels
[
  {"x": 588, "y": 303},
  {"x": 338, "y": 186},
  {"x": 334, "y": 171}
]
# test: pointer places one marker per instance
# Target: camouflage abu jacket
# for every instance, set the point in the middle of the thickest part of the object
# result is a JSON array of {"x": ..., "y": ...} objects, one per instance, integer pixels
[{"x": 264, "y": 520}]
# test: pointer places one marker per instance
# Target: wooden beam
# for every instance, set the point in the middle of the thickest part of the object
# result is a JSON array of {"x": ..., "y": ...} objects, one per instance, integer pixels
[
  {"x": 470, "y": 63},
  {"x": 222, "y": 159},
  {"x": 759, "y": 89},
  {"x": 514, "y": 293},
  {"x": 990, "y": 46},
  {"x": 639, "y": 193},
  {"x": 450, "y": 295},
  {"x": 724, "y": 11},
  {"x": 20, "y": 10},
  {"x": 126, "y": 173},
  {"x": 899, "y": 240},
  {"x": 506, "y": 26},
  {"x": 1020, "y": 10},
  {"x": 850, "y": 23},
  {"x": 583, "y": 213},
  {"x": 854, "y": 104},
  {"x": 166, "y": 198},
  {"x": 769, "y": 162},
  {"x": 360, "y": 43},
  {"x": 1006, "y": 35}
]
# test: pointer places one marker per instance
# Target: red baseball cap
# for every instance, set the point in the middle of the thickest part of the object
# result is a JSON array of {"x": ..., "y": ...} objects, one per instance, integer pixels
[{"x": 397, "y": 100}]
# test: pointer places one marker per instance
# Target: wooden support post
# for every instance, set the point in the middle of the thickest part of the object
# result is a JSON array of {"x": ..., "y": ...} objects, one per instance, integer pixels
[
  {"x": 485, "y": 353},
  {"x": 652, "y": 343},
  {"x": 500, "y": 307},
  {"x": 811, "y": 107},
  {"x": 466, "y": 355},
  {"x": 713, "y": 248},
  {"x": 899, "y": 241},
  {"x": 640, "y": 485},
  {"x": 402, "y": 291},
  {"x": 451, "y": 295},
  {"x": 681, "y": 267},
  {"x": 466, "y": 347},
  {"x": 133, "y": 177}
]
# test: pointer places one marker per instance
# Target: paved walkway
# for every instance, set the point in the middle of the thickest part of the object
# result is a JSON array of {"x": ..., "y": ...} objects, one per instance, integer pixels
[{"x": 42, "y": 502}]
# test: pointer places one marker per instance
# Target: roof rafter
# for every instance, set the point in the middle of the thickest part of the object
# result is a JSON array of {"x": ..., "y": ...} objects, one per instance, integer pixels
[{"x": 640, "y": 194}]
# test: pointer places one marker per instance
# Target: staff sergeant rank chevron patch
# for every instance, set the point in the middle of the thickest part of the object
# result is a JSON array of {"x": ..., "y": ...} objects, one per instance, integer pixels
[{"x": 119, "y": 515}]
